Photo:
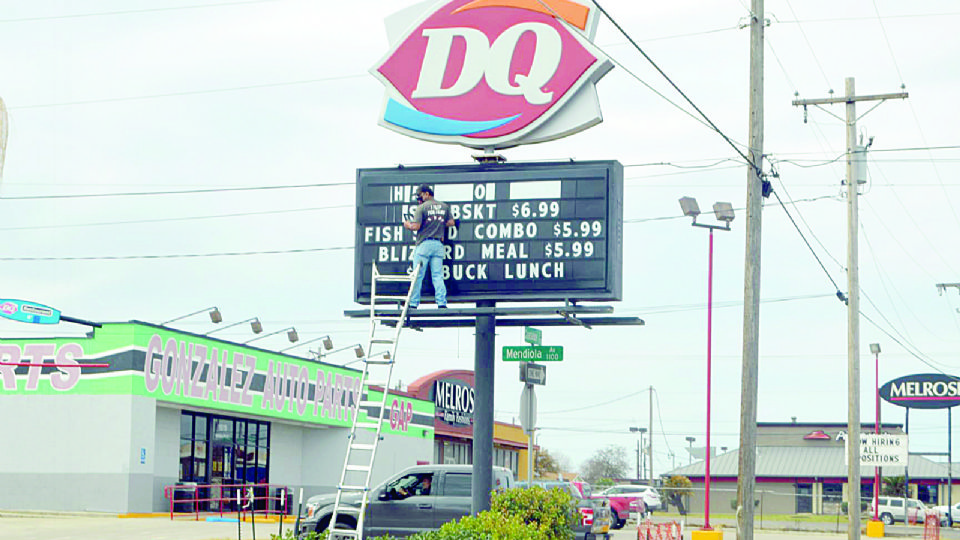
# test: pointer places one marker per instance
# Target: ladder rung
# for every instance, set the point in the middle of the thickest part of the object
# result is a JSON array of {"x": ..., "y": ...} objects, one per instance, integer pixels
[
  {"x": 382, "y": 341},
  {"x": 394, "y": 278},
  {"x": 377, "y": 383},
  {"x": 347, "y": 510},
  {"x": 353, "y": 488},
  {"x": 371, "y": 425},
  {"x": 361, "y": 468},
  {"x": 379, "y": 361},
  {"x": 342, "y": 533},
  {"x": 363, "y": 446}
]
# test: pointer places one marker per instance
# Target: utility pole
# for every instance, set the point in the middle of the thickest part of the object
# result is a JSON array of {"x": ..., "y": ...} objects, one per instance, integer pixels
[
  {"x": 650, "y": 445},
  {"x": 853, "y": 296},
  {"x": 747, "y": 466}
]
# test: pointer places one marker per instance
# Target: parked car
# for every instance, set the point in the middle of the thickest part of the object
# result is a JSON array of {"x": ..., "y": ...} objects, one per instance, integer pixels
[
  {"x": 595, "y": 517},
  {"x": 892, "y": 509},
  {"x": 418, "y": 499},
  {"x": 954, "y": 513},
  {"x": 651, "y": 497},
  {"x": 624, "y": 500}
]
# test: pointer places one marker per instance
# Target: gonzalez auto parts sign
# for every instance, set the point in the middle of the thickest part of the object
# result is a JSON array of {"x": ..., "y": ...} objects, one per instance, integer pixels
[
  {"x": 492, "y": 73},
  {"x": 923, "y": 391}
]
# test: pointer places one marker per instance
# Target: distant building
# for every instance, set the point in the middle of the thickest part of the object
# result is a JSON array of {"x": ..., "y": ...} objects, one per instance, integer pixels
[{"x": 801, "y": 468}]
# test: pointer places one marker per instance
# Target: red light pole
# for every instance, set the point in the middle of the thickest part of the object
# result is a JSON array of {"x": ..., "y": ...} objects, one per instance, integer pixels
[
  {"x": 875, "y": 349},
  {"x": 724, "y": 213}
]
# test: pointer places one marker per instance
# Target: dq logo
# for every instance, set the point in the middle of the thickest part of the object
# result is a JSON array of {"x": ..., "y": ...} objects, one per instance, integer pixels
[
  {"x": 492, "y": 73},
  {"x": 401, "y": 414}
]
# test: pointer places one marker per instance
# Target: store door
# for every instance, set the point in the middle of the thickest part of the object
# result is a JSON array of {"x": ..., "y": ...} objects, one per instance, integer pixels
[
  {"x": 222, "y": 466},
  {"x": 804, "y": 498}
]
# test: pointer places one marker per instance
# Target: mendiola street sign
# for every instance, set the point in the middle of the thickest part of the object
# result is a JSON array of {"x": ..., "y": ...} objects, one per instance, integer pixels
[{"x": 533, "y": 353}]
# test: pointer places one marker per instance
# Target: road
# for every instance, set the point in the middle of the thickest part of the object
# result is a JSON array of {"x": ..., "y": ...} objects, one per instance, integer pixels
[{"x": 60, "y": 527}]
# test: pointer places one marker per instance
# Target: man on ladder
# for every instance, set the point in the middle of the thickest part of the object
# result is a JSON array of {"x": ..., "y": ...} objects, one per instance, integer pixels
[{"x": 429, "y": 221}]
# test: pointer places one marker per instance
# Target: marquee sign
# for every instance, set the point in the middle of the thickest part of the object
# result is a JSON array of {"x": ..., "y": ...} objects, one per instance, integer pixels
[
  {"x": 528, "y": 232},
  {"x": 492, "y": 73},
  {"x": 923, "y": 391}
]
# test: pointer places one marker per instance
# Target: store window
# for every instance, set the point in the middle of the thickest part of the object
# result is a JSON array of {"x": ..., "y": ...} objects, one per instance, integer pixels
[{"x": 505, "y": 457}]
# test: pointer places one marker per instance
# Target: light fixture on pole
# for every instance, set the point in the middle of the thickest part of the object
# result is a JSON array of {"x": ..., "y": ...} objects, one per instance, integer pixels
[
  {"x": 327, "y": 343},
  {"x": 875, "y": 349},
  {"x": 254, "y": 325},
  {"x": 215, "y": 316},
  {"x": 724, "y": 213},
  {"x": 690, "y": 447},
  {"x": 639, "y": 431},
  {"x": 357, "y": 350},
  {"x": 292, "y": 335}
]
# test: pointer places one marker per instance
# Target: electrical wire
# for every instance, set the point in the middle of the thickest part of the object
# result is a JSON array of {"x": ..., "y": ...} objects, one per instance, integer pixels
[
  {"x": 131, "y": 11},
  {"x": 809, "y": 46},
  {"x": 703, "y": 115},
  {"x": 839, "y": 294},
  {"x": 182, "y": 192},
  {"x": 176, "y": 255}
]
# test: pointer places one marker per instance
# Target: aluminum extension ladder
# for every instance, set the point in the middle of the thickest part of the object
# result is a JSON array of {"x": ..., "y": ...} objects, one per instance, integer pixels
[{"x": 377, "y": 371}]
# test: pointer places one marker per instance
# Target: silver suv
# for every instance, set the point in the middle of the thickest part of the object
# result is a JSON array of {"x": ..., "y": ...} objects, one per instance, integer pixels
[
  {"x": 891, "y": 509},
  {"x": 418, "y": 499}
]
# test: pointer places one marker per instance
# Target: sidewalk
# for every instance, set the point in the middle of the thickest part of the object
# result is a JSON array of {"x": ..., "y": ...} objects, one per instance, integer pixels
[{"x": 51, "y": 526}]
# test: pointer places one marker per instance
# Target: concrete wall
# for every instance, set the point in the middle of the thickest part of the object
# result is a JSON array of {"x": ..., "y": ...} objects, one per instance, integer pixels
[
  {"x": 76, "y": 453},
  {"x": 166, "y": 456}
]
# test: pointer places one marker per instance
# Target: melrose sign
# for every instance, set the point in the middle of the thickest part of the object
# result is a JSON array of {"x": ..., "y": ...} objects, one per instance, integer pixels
[
  {"x": 923, "y": 391},
  {"x": 492, "y": 73}
]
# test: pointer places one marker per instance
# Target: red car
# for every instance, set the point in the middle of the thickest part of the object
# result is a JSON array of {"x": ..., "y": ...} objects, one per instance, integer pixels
[{"x": 622, "y": 505}]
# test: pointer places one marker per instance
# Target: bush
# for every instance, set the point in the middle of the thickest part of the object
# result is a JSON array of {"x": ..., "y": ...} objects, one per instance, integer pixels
[
  {"x": 516, "y": 514},
  {"x": 552, "y": 512}
]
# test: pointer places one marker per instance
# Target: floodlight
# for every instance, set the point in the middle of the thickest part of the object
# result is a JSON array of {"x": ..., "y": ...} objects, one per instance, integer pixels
[
  {"x": 690, "y": 207},
  {"x": 874, "y": 348},
  {"x": 723, "y": 211}
]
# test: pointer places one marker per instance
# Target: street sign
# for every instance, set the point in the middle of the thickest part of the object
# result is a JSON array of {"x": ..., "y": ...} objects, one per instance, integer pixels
[
  {"x": 533, "y": 336},
  {"x": 519, "y": 353},
  {"x": 531, "y": 373},
  {"x": 528, "y": 409},
  {"x": 28, "y": 312}
]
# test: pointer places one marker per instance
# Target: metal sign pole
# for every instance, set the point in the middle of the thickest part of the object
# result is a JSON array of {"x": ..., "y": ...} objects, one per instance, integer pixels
[{"x": 483, "y": 410}]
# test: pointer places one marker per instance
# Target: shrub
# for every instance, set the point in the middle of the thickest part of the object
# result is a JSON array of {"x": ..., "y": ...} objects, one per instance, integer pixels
[
  {"x": 487, "y": 525},
  {"x": 552, "y": 512}
]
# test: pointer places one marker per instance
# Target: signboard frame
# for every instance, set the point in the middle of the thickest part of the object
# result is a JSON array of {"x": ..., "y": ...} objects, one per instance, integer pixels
[{"x": 589, "y": 192}]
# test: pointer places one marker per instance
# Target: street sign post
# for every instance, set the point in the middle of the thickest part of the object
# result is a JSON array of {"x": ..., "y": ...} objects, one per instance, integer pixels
[
  {"x": 528, "y": 409},
  {"x": 519, "y": 353},
  {"x": 533, "y": 336},
  {"x": 531, "y": 373}
]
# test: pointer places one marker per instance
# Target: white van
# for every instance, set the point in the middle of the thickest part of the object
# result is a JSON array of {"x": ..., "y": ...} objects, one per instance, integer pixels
[{"x": 893, "y": 509}]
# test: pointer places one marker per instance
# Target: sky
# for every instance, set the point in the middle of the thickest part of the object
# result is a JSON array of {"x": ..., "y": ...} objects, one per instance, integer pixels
[{"x": 113, "y": 103}]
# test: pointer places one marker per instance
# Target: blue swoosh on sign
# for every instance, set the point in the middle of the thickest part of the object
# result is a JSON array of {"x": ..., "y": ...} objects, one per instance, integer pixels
[{"x": 415, "y": 120}]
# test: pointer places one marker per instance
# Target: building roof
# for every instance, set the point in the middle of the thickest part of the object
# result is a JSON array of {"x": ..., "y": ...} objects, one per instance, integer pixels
[{"x": 794, "y": 462}]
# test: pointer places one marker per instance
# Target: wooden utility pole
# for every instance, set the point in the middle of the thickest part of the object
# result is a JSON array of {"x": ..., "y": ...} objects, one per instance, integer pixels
[
  {"x": 751, "y": 285},
  {"x": 650, "y": 445},
  {"x": 853, "y": 296}
]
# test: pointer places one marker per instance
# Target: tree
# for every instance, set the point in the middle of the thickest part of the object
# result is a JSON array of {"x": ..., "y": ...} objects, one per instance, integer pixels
[
  {"x": 550, "y": 462},
  {"x": 675, "y": 489},
  {"x": 894, "y": 486},
  {"x": 607, "y": 462}
]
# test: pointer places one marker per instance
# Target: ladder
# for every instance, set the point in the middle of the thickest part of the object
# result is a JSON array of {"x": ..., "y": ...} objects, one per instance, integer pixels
[{"x": 364, "y": 437}]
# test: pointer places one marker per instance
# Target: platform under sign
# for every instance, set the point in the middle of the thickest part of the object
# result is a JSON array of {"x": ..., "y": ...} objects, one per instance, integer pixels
[{"x": 532, "y": 354}]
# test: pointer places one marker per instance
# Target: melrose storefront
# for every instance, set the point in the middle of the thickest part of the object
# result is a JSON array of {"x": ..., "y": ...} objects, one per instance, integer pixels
[{"x": 166, "y": 407}]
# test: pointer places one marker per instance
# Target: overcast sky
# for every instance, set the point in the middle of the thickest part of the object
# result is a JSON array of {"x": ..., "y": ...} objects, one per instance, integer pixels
[{"x": 121, "y": 97}]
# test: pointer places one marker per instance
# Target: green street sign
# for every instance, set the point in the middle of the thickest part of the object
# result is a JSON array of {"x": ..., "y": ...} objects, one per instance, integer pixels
[
  {"x": 532, "y": 336},
  {"x": 532, "y": 354}
]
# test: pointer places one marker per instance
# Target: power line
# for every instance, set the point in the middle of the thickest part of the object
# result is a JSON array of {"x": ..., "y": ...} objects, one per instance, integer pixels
[
  {"x": 677, "y": 88},
  {"x": 183, "y": 192},
  {"x": 131, "y": 11},
  {"x": 176, "y": 255}
]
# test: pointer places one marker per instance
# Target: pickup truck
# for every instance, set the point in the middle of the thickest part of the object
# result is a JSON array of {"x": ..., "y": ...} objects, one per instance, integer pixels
[
  {"x": 418, "y": 499},
  {"x": 595, "y": 517}
]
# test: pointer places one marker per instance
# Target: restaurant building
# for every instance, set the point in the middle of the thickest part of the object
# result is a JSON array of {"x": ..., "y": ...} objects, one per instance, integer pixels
[{"x": 801, "y": 468}]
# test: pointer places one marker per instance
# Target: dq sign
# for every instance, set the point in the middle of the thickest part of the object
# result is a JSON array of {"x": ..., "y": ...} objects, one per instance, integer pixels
[{"x": 492, "y": 73}]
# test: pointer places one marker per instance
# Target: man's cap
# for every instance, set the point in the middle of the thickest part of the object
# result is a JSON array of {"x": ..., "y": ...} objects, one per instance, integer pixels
[{"x": 425, "y": 189}]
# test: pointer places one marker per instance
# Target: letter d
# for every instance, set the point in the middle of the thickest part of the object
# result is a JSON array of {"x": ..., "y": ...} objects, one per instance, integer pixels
[{"x": 439, "y": 42}]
